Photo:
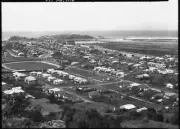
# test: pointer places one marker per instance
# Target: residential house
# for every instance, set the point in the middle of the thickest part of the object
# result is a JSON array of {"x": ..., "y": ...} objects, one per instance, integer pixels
[
  {"x": 19, "y": 76},
  {"x": 169, "y": 85},
  {"x": 58, "y": 81},
  {"x": 30, "y": 80},
  {"x": 128, "y": 107}
]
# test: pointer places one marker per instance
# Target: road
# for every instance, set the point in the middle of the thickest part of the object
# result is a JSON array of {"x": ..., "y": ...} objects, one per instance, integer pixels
[
  {"x": 13, "y": 55},
  {"x": 116, "y": 83},
  {"x": 85, "y": 100}
]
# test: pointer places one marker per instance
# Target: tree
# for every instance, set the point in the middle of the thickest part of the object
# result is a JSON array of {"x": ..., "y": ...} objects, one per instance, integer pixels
[
  {"x": 57, "y": 55},
  {"x": 52, "y": 97},
  {"x": 175, "y": 118},
  {"x": 92, "y": 119},
  {"x": 16, "y": 105}
]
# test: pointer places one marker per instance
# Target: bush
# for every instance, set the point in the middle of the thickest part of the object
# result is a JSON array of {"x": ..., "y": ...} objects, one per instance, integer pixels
[
  {"x": 145, "y": 120},
  {"x": 37, "y": 116},
  {"x": 175, "y": 119}
]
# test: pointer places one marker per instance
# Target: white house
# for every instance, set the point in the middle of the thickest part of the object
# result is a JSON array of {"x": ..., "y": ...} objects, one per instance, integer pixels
[
  {"x": 159, "y": 100},
  {"x": 19, "y": 76},
  {"x": 142, "y": 76},
  {"x": 14, "y": 90},
  {"x": 72, "y": 77},
  {"x": 29, "y": 96},
  {"x": 4, "y": 84},
  {"x": 134, "y": 84},
  {"x": 58, "y": 81},
  {"x": 46, "y": 75},
  {"x": 33, "y": 73},
  {"x": 39, "y": 73},
  {"x": 50, "y": 71},
  {"x": 136, "y": 65},
  {"x": 141, "y": 109},
  {"x": 53, "y": 90},
  {"x": 128, "y": 106},
  {"x": 30, "y": 80},
  {"x": 169, "y": 85},
  {"x": 21, "y": 54},
  {"x": 80, "y": 80},
  {"x": 120, "y": 74},
  {"x": 74, "y": 63},
  {"x": 51, "y": 79}
]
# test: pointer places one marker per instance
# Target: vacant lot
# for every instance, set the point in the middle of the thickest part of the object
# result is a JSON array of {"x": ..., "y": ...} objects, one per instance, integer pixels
[
  {"x": 79, "y": 71},
  {"x": 29, "y": 66}
]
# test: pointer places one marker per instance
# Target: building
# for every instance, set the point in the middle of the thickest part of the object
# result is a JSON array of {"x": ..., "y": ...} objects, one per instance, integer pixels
[
  {"x": 30, "y": 80},
  {"x": 51, "y": 79},
  {"x": 57, "y": 81},
  {"x": 141, "y": 109},
  {"x": 128, "y": 107},
  {"x": 14, "y": 90},
  {"x": 19, "y": 76},
  {"x": 169, "y": 85}
]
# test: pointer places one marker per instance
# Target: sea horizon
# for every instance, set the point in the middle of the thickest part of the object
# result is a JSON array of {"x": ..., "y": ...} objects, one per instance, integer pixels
[{"x": 106, "y": 34}]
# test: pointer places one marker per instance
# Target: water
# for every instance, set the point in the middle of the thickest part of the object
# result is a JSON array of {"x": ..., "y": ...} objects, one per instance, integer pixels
[{"x": 110, "y": 34}]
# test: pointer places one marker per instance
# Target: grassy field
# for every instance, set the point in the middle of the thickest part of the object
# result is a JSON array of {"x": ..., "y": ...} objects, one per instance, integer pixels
[
  {"x": 86, "y": 74},
  {"x": 81, "y": 72},
  {"x": 148, "y": 124},
  {"x": 150, "y": 48},
  {"x": 86, "y": 105},
  {"x": 29, "y": 66}
]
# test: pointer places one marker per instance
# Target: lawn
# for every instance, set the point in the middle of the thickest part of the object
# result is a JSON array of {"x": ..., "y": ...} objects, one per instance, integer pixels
[
  {"x": 155, "y": 48},
  {"x": 148, "y": 124},
  {"x": 30, "y": 66},
  {"x": 81, "y": 72},
  {"x": 86, "y": 105}
]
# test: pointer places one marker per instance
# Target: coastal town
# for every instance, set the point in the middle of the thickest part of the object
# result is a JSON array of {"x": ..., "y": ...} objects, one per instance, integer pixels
[
  {"x": 90, "y": 64},
  {"x": 62, "y": 70}
]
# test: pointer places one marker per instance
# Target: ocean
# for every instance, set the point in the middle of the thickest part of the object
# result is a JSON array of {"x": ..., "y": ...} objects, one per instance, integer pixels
[{"x": 106, "y": 34}]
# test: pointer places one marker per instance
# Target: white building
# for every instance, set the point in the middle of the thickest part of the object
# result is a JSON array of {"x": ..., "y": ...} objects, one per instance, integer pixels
[
  {"x": 19, "y": 76},
  {"x": 50, "y": 71},
  {"x": 141, "y": 109},
  {"x": 13, "y": 90},
  {"x": 169, "y": 85},
  {"x": 51, "y": 79},
  {"x": 46, "y": 75},
  {"x": 58, "y": 81},
  {"x": 30, "y": 80},
  {"x": 128, "y": 106}
]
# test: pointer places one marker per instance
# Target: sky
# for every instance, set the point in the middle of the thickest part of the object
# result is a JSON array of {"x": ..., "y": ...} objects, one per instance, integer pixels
[{"x": 89, "y": 16}]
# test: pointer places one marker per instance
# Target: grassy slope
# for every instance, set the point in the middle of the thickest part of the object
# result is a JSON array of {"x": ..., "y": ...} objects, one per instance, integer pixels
[{"x": 148, "y": 124}]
